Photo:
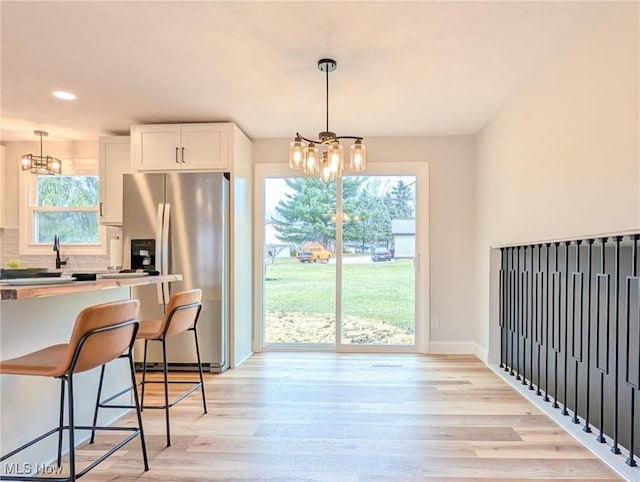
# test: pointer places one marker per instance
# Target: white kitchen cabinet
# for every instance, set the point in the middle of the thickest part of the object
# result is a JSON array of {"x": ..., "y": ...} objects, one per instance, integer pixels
[
  {"x": 190, "y": 147},
  {"x": 115, "y": 160}
]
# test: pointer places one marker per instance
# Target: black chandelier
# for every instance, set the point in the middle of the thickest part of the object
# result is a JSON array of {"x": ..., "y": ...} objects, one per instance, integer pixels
[
  {"x": 41, "y": 164},
  {"x": 330, "y": 162}
]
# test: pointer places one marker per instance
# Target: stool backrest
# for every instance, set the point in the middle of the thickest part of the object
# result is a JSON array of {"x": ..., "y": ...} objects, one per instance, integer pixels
[
  {"x": 182, "y": 312},
  {"x": 102, "y": 333}
]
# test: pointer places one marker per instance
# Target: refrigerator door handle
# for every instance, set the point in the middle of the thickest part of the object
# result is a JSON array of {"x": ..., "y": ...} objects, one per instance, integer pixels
[
  {"x": 164, "y": 264},
  {"x": 159, "y": 248}
]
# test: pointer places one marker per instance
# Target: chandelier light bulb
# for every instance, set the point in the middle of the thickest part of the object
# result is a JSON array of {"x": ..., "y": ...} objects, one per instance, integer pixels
[
  {"x": 55, "y": 166},
  {"x": 325, "y": 173},
  {"x": 296, "y": 154},
  {"x": 311, "y": 163},
  {"x": 358, "y": 157},
  {"x": 336, "y": 163}
]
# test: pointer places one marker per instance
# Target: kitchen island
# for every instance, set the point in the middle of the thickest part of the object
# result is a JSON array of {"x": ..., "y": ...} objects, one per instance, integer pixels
[{"x": 33, "y": 317}]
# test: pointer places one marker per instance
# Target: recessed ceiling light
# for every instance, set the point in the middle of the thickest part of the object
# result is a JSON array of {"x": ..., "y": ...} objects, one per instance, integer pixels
[{"x": 61, "y": 94}]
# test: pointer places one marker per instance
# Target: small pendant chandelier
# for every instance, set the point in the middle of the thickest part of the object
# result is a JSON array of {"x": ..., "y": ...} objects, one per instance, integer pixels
[
  {"x": 41, "y": 164},
  {"x": 329, "y": 162}
]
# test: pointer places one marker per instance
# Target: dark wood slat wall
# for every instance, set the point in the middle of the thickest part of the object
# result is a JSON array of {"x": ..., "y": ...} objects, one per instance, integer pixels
[{"x": 570, "y": 329}]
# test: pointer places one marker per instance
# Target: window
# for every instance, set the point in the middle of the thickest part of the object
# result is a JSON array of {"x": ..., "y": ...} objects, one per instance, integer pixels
[{"x": 66, "y": 205}]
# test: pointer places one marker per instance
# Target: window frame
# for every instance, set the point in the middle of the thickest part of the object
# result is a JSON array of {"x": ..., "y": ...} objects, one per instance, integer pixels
[{"x": 28, "y": 208}]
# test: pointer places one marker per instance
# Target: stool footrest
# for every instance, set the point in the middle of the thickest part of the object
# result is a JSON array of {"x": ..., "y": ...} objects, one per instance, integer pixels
[
  {"x": 196, "y": 385},
  {"x": 180, "y": 397},
  {"x": 135, "y": 431}
]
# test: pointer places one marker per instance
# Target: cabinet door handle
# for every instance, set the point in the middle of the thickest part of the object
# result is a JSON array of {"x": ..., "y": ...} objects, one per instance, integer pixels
[
  {"x": 101, "y": 209},
  {"x": 177, "y": 161},
  {"x": 183, "y": 155}
]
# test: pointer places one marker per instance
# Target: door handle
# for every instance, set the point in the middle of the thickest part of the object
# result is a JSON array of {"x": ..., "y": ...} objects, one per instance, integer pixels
[
  {"x": 101, "y": 209},
  {"x": 177, "y": 161},
  {"x": 183, "y": 155},
  {"x": 159, "y": 250},
  {"x": 164, "y": 262}
]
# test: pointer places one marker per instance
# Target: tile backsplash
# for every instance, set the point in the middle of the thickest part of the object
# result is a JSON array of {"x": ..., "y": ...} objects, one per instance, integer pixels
[{"x": 9, "y": 250}]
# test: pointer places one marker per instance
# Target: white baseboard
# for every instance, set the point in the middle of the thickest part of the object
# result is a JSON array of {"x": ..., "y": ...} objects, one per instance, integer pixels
[
  {"x": 482, "y": 353},
  {"x": 458, "y": 348}
]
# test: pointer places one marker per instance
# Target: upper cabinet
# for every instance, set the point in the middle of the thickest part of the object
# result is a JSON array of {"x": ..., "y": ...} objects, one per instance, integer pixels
[
  {"x": 170, "y": 147},
  {"x": 115, "y": 160}
]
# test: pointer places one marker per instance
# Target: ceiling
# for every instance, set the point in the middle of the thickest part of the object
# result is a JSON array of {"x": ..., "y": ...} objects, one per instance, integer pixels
[{"x": 404, "y": 68}]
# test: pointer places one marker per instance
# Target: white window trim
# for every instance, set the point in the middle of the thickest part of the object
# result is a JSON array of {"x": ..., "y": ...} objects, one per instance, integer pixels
[{"x": 26, "y": 246}]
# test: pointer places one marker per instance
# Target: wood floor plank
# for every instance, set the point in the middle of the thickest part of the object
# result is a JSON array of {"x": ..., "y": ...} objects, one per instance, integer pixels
[{"x": 353, "y": 418}]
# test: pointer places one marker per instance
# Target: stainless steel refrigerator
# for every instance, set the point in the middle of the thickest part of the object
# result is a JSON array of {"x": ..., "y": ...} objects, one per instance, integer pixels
[{"x": 178, "y": 223}]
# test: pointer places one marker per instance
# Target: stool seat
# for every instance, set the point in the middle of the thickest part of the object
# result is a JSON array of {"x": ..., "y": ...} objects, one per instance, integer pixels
[
  {"x": 48, "y": 362},
  {"x": 150, "y": 330}
]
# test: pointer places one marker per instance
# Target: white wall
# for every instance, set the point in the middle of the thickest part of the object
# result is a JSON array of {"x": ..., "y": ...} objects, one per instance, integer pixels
[
  {"x": 451, "y": 221},
  {"x": 241, "y": 250},
  {"x": 561, "y": 159}
]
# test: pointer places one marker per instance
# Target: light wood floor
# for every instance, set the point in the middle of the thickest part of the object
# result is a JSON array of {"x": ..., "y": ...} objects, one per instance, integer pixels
[{"x": 354, "y": 417}]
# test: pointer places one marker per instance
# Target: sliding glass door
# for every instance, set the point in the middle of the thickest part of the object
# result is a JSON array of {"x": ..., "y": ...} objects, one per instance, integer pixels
[
  {"x": 299, "y": 281},
  {"x": 378, "y": 261},
  {"x": 342, "y": 264}
]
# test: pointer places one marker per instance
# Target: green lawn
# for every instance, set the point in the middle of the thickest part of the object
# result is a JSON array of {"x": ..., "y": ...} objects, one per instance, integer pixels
[{"x": 382, "y": 291}]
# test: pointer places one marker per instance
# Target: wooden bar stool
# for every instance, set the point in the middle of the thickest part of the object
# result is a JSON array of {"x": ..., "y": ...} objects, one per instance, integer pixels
[
  {"x": 181, "y": 315},
  {"x": 101, "y": 333}
]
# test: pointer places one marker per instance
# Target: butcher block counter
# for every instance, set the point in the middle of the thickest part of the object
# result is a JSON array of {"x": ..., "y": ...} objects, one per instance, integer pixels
[
  {"x": 8, "y": 292},
  {"x": 33, "y": 317}
]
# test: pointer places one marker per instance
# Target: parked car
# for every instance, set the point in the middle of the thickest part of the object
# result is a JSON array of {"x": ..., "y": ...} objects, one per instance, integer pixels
[
  {"x": 381, "y": 254},
  {"x": 312, "y": 254}
]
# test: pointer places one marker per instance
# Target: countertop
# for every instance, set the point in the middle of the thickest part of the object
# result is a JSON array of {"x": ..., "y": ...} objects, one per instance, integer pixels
[{"x": 39, "y": 291}]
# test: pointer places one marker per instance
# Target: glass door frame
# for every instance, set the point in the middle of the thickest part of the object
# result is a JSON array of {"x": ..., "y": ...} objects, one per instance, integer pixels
[{"x": 263, "y": 171}]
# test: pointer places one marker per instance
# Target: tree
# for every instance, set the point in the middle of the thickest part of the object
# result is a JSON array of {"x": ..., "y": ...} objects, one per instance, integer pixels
[
  {"x": 67, "y": 192},
  {"x": 401, "y": 201},
  {"x": 371, "y": 221},
  {"x": 305, "y": 214},
  {"x": 308, "y": 212}
]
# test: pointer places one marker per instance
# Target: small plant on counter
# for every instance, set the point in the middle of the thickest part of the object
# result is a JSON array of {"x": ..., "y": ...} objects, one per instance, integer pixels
[{"x": 13, "y": 263}]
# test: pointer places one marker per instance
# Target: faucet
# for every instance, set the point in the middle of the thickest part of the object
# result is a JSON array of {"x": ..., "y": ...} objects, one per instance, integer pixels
[{"x": 56, "y": 248}]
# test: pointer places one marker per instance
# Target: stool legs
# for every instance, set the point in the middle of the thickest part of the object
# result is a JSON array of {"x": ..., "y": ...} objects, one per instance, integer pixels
[
  {"x": 144, "y": 373},
  {"x": 204, "y": 400},
  {"x": 137, "y": 406},
  {"x": 166, "y": 389},
  {"x": 165, "y": 380},
  {"x": 61, "y": 424},
  {"x": 138, "y": 411},
  {"x": 95, "y": 413},
  {"x": 72, "y": 428}
]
